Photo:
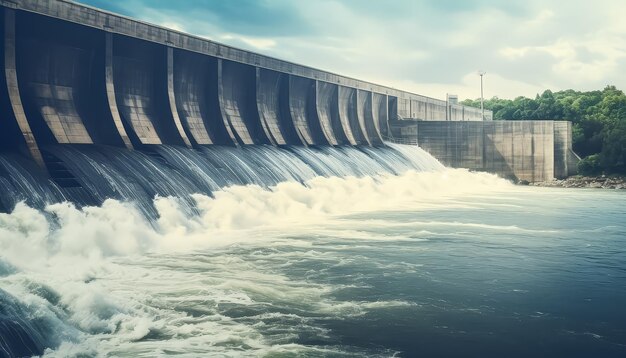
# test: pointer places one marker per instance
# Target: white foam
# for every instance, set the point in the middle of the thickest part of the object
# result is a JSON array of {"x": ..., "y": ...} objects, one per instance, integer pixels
[
  {"x": 95, "y": 257},
  {"x": 117, "y": 228}
]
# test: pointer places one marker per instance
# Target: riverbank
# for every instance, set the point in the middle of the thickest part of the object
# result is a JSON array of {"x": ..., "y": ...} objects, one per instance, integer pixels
[{"x": 602, "y": 182}]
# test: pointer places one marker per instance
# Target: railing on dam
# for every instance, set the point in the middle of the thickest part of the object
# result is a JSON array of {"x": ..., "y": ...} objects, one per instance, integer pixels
[{"x": 78, "y": 75}]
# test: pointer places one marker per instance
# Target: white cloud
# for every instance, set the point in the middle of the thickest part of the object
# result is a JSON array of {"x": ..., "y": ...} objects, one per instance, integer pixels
[
  {"x": 254, "y": 42},
  {"x": 173, "y": 25},
  {"x": 591, "y": 59}
]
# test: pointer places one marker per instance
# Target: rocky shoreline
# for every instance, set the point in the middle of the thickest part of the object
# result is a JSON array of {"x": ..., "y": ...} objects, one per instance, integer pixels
[{"x": 601, "y": 182}]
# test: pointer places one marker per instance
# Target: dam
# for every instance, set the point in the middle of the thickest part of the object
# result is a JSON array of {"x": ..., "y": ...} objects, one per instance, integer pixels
[
  {"x": 165, "y": 195},
  {"x": 149, "y": 85},
  {"x": 88, "y": 97}
]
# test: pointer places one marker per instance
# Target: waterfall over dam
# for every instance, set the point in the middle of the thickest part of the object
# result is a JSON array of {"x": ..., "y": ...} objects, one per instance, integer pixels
[
  {"x": 88, "y": 175},
  {"x": 95, "y": 105},
  {"x": 88, "y": 97}
]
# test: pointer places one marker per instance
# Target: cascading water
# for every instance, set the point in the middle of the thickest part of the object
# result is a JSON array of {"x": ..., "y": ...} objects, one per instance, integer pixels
[
  {"x": 294, "y": 251},
  {"x": 137, "y": 177}
]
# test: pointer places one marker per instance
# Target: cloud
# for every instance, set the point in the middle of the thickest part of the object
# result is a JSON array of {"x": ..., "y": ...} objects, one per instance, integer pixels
[
  {"x": 254, "y": 42},
  {"x": 432, "y": 47}
]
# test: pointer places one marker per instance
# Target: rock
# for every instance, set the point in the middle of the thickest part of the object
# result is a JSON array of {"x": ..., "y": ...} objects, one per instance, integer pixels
[{"x": 584, "y": 182}]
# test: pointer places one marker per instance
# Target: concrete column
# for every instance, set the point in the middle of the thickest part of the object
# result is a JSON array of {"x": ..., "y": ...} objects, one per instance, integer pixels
[
  {"x": 380, "y": 112},
  {"x": 194, "y": 104},
  {"x": 324, "y": 96},
  {"x": 344, "y": 103},
  {"x": 237, "y": 100},
  {"x": 561, "y": 147},
  {"x": 387, "y": 116},
  {"x": 268, "y": 91},
  {"x": 370, "y": 121},
  {"x": 267, "y": 113},
  {"x": 299, "y": 89},
  {"x": 10, "y": 71},
  {"x": 172, "y": 98},
  {"x": 335, "y": 117},
  {"x": 110, "y": 89},
  {"x": 361, "y": 104},
  {"x": 220, "y": 90}
]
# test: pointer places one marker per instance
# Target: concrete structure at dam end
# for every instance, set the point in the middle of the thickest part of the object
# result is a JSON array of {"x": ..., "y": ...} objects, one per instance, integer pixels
[
  {"x": 532, "y": 151},
  {"x": 76, "y": 75}
]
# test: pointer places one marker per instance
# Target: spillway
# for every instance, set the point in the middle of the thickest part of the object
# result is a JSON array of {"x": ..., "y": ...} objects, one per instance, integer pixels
[
  {"x": 102, "y": 172},
  {"x": 96, "y": 106}
]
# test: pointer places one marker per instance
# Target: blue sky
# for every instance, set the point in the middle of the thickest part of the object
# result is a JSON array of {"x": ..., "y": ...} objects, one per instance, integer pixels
[{"x": 432, "y": 47}]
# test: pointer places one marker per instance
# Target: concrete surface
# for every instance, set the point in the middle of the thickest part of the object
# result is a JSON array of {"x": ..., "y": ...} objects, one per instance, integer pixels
[
  {"x": 533, "y": 151},
  {"x": 325, "y": 98}
]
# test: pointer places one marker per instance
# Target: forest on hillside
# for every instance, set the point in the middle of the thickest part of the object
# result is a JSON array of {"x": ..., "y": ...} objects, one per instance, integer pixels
[{"x": 598, "y": 117}]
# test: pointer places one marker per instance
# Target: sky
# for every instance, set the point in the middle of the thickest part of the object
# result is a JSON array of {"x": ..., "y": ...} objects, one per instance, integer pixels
[{"x": 430, "y": 47}]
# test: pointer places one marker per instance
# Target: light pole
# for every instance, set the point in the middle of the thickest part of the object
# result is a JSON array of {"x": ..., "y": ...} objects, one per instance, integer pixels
[{"x": 482, "y": 106}]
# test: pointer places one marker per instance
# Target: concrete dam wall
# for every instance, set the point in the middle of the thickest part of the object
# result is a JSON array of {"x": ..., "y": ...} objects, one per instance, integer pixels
[
  {"x": 78, "y": 75},
  {"x": 524, "y": 150}
]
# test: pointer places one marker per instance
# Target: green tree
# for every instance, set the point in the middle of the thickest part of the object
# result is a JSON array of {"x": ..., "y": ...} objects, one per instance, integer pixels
[{"x": 613, "y": 155}]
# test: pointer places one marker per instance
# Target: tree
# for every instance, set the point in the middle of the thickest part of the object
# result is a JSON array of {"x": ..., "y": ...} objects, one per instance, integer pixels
[{"x": 613, "y": 155}]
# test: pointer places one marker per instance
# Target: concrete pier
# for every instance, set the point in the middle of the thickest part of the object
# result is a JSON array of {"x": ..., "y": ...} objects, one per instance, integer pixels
[{"x": 326, "y": 98}]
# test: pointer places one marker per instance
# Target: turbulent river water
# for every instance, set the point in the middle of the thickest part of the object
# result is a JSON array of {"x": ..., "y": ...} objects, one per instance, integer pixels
[{"x": 438, "y": 262}]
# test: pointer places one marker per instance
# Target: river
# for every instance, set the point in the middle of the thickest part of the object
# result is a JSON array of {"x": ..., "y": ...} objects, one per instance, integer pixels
[{"x": 432, "y": 263}]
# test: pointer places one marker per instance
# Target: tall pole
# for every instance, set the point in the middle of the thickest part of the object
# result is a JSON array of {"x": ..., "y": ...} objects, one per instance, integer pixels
[{"x": 482, "y": 106}]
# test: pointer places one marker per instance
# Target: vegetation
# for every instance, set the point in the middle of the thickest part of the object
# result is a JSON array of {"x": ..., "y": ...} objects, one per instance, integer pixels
[{"x": 598, "y": 117}]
